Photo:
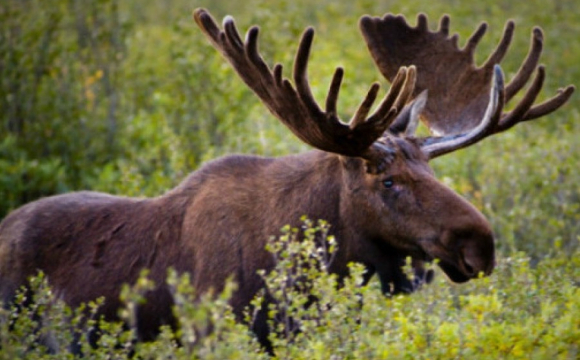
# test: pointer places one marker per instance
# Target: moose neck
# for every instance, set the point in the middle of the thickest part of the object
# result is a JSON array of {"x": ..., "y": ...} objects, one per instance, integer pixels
[
  {"x": 305, "y": 185},
  {"x": 317, "y": 184},
  {"x": 309, "y": 184}
]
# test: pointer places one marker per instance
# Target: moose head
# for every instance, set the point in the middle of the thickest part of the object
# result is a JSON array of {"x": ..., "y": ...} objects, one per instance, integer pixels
[
  {"x": 368, "y": 177},
  {"x": 390, "y": 197}
]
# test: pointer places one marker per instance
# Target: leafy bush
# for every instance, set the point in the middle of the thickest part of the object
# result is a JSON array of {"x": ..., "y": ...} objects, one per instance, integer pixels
[
  {"x": 59, "y": 93},
  {"x": 126, "y": 98},
  {"x": 520, "y": 312}
]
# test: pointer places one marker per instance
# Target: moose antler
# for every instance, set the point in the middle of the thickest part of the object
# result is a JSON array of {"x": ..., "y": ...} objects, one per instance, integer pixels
[
  {"x": 296, "y": 107},
  {"x": 458, "y": 89}
]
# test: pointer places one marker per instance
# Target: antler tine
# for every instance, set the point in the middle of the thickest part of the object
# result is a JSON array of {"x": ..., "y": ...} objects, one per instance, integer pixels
[
  {"x": 475, "y": 38},
  {"x": 408, "y": 87},
  {"x": 517, "y": 114},
  {"x": 394, "y": 101},
  {"x": 332, "y": 97},
  {"x": 208, "y": 26},
  {"x": 296, "y": 107},
  {"x": 232, "y": 35},
  {"x": 443, "y": 25},
  {"x": 301, "y": 71},
  {"x": 528, "y": 66},
  {"x": 550, "y": 105},
  {"x": 524, "y": 110},
  {"x": 251, "y": 49},
  {"x": 360, "y": 116},
  {"x": 498, "y": 54}
]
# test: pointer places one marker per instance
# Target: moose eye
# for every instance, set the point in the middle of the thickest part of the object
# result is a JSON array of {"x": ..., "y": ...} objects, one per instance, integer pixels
[{"x": 388, "y": 183}]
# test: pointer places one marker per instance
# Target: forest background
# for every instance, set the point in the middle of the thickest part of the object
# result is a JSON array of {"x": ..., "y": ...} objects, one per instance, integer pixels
[{"x": 128, "y": 97}]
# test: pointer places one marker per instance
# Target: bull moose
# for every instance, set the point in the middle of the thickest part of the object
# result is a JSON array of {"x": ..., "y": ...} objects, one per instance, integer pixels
[{"x": 369, "y": 178}]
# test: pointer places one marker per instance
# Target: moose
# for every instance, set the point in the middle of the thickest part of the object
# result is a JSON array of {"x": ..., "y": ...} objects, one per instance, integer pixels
[{"x": 369, "y": 178}]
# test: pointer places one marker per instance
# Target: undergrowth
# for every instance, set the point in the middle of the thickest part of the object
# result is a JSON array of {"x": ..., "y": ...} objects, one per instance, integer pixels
[{"x": 519, "y": 312}]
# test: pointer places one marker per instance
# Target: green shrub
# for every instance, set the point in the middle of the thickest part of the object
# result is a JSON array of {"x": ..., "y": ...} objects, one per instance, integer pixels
[
  {"x": 59, "y": 93},
  {"x": 128, "y": 98},
  {"x": 519, "y": 312}
]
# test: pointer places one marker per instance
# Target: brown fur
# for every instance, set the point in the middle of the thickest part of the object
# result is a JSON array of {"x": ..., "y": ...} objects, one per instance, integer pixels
[{"x": 216, "y": 223}]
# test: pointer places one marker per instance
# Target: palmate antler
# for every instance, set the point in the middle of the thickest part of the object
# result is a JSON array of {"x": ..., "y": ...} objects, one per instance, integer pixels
[
  {"x": 458, "y": 89},
  {"x": 296, "y": 107}
]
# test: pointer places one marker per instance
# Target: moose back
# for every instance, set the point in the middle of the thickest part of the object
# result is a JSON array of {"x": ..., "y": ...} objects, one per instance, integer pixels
[{"x": 369, "y": 178}]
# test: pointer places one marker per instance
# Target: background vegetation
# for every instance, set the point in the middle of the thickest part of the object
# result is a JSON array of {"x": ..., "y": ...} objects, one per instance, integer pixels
[{"x": 128, "y": 97}]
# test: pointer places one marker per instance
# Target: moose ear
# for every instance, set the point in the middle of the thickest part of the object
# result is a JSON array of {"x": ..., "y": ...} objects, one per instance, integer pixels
[{"x": 408, "y": 119}]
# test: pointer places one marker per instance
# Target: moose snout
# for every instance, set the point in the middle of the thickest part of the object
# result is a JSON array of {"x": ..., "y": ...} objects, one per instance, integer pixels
[
  {"x": 461, "y": 254},
  {"x": 478, "y": 256}
]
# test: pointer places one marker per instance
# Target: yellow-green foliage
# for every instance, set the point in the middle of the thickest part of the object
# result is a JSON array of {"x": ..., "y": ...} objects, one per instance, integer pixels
[
  {"x": 519, "y": 313},
  {"x": 128, "y": 97}
]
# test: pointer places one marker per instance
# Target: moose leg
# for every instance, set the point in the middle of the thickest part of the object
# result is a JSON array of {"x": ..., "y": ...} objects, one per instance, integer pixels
[{"x": 394, "y": 280}]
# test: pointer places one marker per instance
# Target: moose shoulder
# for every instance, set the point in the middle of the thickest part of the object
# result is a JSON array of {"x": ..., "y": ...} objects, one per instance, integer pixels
[{"x": 369, "y": 178}]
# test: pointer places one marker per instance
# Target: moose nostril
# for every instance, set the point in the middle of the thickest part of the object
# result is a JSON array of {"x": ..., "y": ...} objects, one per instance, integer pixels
[
  {"x": 476, "y": 257},
  {"x": 468, "y": 268}
]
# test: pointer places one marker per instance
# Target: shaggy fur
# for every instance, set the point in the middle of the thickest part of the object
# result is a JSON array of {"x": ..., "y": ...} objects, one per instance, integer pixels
[{"x": 217, "y": 222}]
